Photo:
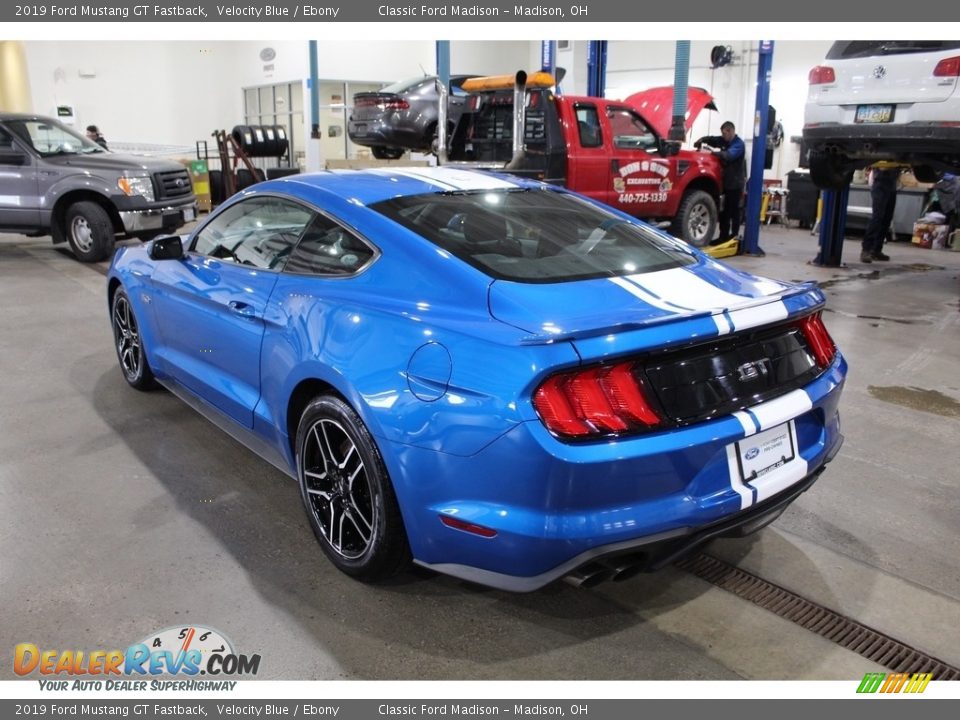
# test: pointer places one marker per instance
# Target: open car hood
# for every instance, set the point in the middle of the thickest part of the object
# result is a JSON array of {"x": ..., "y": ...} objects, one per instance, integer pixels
[{"x": 655, "y": 105}]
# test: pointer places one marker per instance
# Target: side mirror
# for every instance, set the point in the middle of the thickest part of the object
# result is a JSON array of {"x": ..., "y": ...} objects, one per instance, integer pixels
[
  {"x": 667, "y": 148},
  {"x": 168, "y": 247},
  {"x": 12, "y": 157}
]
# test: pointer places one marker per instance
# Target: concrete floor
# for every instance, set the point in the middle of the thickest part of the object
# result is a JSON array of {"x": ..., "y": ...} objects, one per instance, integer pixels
[{"x": 122, "y": 513}]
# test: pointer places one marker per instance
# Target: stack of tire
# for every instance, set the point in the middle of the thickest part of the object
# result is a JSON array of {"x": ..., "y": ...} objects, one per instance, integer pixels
[{"x": 261, "y": 141}]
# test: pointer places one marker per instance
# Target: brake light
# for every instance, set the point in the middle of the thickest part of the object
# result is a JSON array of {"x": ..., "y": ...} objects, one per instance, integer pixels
[
  {"x": 821, "y": 344},
  {"x": 948, "y": 67},
  {"x": 398, "y": 104},
  {"x": 822, "y": 75},
  {"x": 596, "y": 401}
]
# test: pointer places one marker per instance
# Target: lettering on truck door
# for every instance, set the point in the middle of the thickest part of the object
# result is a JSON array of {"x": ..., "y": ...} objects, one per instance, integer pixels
[{"x": 641, "y": 182}]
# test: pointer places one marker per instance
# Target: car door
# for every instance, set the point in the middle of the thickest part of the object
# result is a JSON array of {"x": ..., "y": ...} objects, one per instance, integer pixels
[
  {"x": 210, "y": 305},
  {"x": 640, "y": 181},
  {"x": 588, "y": 166},
  {"x": 19, "y": 187}
]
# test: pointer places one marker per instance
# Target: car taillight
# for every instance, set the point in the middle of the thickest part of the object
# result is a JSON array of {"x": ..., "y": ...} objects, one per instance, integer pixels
[
  {"x": 398, "y": 104},
  {"x": 596, "y": 401},
  {"x": 948, "y": 67},
  {"x": 821, "y": 344},
  {"x": 822, "y": 75}
]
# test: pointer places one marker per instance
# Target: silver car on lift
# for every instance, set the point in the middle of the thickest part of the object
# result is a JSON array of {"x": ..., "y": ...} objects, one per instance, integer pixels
[
  {"x": 403, "y": 116},
  {"x": 876, "y": 100}
]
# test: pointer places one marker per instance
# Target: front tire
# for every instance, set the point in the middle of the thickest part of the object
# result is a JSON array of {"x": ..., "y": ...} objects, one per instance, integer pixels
[
  {"x": 129, "y": 343},
  {"x": 347, "y": 493},
  {"x": 89, "y": 231},
  {"x": 696, "y": 219}
]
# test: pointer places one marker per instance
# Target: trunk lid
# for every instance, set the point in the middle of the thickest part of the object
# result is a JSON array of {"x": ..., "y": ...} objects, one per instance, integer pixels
[
  {"x": 887, "y": 72},
  {"x": 614, "y": 316}
]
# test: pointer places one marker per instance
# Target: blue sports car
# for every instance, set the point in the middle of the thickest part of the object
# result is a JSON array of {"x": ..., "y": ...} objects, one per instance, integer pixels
[{"x": 494, "y": 378}]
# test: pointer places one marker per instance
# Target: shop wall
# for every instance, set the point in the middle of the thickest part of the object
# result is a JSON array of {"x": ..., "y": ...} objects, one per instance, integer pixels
[{"x": 163, "y": 93}]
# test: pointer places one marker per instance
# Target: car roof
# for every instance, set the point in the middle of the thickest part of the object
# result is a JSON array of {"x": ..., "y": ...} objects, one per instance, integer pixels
[{"x": 370, "y": 186}]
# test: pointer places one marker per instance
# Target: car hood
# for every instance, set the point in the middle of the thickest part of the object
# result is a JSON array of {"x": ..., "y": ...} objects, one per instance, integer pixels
[
  {"x": 655, "y": 106},
  {"x": 109, "y": 161},
  {"x": 707, "y": 290}
]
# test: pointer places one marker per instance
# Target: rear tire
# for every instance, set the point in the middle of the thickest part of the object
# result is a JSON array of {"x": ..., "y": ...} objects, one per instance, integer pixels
[
  {"x": 89, "y": 231},
  {"x": 387, "y": 153},
  {"x": 347, "y": 493},
  {"x": 830, "y": 171},
  {"x": 696, "y": 219}
]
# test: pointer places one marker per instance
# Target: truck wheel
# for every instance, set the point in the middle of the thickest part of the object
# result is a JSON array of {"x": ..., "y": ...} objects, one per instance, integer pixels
[
  {"x": 829, "y": 171},
  {"x": 87, "y": 227},
  {"x": 696, "y": 219}
]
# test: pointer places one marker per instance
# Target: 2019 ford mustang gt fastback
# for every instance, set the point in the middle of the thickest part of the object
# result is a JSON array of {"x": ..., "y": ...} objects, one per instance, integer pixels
[{"x": 494, "y": 378}]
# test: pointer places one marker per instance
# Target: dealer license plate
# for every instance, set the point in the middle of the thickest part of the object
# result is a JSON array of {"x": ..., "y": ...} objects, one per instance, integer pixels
[
  {"x": 766, "y": 451},
  {"x": 874, "y": 114},
  {"x": 188, "y": 214}
]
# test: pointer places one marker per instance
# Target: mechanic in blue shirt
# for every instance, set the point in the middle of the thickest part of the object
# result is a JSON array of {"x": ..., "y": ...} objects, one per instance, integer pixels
[{"x": 732, "y": 153}]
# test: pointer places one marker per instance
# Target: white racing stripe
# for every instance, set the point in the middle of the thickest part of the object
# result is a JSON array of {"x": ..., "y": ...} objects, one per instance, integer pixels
[
  {"x": 683, "y": 292},
  {"x": 749, "y": 426},
  {"x": 745, "y": 493},
  {"x": 775, "y": 412},
  {"x": 641, "y": 294},
  {"x": 451, "y": 178}
]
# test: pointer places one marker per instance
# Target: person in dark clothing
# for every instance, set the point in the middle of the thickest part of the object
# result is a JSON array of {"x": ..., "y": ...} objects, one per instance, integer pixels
[
  {"x": 93, "y": 132},
  {"x": 732, "y": 153},
  {"x": 883, "y": 196}
]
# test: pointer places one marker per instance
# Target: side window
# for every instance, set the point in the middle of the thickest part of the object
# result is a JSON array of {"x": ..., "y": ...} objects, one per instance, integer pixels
[
  {"x": 259, "y": 231},
  {"x": 588, "y": 126},
  {"x": 6, "y": 140},
  {"x": 630, "y": 132},
  {"x": 329, "y": 249}
]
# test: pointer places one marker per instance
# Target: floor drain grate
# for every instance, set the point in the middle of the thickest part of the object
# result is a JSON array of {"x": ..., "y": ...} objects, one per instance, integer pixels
[{"x": 871, "y": 644}]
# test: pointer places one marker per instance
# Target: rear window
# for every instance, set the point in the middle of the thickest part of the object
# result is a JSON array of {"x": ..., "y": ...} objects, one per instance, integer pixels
[
  {"x": 847, "y": 49},
  {"x": 535, "y": 235}
]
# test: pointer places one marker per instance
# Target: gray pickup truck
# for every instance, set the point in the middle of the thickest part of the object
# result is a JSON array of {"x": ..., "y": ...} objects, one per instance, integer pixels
[{"x": 55, "y": 181}]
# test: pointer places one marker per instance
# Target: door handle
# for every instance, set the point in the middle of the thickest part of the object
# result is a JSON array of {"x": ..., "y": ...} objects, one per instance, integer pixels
[
  {"x": 615, "y": 165},
  {"x": 241, "y": 308}
]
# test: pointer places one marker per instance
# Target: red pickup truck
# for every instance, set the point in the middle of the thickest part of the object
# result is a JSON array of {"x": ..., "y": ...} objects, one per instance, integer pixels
[{"x": 613, "y": 151}]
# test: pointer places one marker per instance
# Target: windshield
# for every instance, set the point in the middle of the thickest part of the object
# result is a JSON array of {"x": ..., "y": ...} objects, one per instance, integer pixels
[
  {"x": 48, "y": 137},
  {"x": 535, "y": 235},
  {"x": 846, "y": 49}
]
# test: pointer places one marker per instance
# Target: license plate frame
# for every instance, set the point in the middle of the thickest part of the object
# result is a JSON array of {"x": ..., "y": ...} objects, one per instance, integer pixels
[
  {"x": 875, "y": 114},
  {"x": 766, "y": 451}
]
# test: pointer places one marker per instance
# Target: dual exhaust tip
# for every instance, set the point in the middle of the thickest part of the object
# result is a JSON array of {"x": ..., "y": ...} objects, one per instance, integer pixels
[{"x": 617, "y": 568}]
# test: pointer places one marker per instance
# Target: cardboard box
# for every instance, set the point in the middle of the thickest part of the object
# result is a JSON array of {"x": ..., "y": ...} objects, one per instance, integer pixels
[
  {"x": 928, "y": 235},
  {"x": 200, "y": 177}
]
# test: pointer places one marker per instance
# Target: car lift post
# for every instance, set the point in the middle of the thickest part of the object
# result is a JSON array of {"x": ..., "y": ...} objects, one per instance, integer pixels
[
  {"x": 751, "y": 232},
  {"x": 597, "y": 68},
  {"x": 833, "y": 225}
]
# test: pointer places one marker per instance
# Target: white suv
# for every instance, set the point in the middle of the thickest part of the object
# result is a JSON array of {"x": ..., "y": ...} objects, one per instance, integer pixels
[{"x": 883, "y": 100}]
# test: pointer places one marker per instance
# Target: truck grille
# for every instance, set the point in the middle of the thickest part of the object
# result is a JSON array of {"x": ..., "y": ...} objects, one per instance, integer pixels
[
  {"x": 719, "y": 378},
  {"x": 173, "y": 184}
]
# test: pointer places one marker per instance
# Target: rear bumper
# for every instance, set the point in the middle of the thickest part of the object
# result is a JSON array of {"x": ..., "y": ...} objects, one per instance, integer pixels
[
  {"x": 922, "y": 143},
  {"x": 554, "y": 507},
  {"x": 648, "y": 554}
]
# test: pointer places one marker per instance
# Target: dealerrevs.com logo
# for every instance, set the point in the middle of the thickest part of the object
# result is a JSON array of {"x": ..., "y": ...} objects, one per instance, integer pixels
[{"x": 176, "y": 651}]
